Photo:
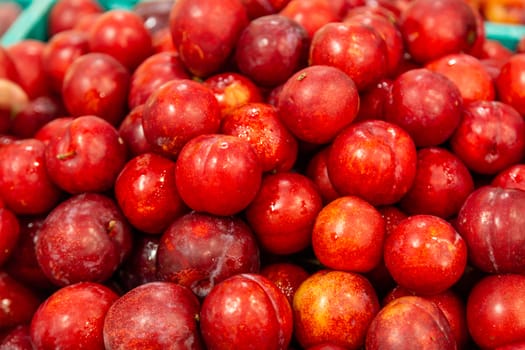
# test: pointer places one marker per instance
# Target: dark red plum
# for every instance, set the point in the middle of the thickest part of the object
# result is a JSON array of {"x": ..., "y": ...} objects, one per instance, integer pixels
[
  {"x": 199, "y": 251},
  {"x": 85, "y": 238},
  {"x": 156, "y": 315},
  {"x": 72, "y": 317},
  {"x": 205, "y": 32}
]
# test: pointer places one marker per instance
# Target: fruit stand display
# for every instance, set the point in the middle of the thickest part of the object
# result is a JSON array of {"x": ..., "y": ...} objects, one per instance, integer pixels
[{"x": 262, "y": 174}]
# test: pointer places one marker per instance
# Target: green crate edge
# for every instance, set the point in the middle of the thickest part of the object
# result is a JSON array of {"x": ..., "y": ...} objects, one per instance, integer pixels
[{"x": 32, "y": 22}]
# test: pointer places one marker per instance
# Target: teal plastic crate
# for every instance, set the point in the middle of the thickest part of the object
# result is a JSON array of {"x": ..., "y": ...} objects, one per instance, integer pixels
[
  {"x": 507, "y": 34},
  {"x": 32, "y": 22}
]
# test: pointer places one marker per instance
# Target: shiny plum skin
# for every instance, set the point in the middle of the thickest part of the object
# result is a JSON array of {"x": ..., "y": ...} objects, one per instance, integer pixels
[
  {"x": 53, "y": 129},
  {"x": 75, "y": 158},
  {"x": 311, "y": 14},
  {"x": 450, "y": 303},
  {"x": 317, "y": 102},
  {"x": 60, "y": 52},
  {"x": 270, "y": 49},
  {"x": 66, "y": 13},
  {"x": 63, "y": 320},
  {"x": 494, "y": 311},
  {"x": 348, "y": 235},
  {"x": 283, "y": 212},
  {"x": 178, "y": 111},
  {"x": 458, "y": 28},
  {"x": 199, "y": 251},
  {"x": 96, "y": 84},
  {"x": 498, "y": 144},
  {"x": 27, "y": 57},
  {"x": 492, "y": 229},
  {"x": 375, "y": 160},
  {"x": 426, "y": 104},
  {"x": 410, "y": 322},
  {"x": 261, "y": 125},
  {"x": 258, "y": 8},
  {"x": 512, "y": 177},
  {"x": 20, "y": 302},
  {"x": 151, "y": 73},
  {"x": 233, "y": 174},
  {"x": 441, "y": 185},
  {"x": 17, "y": 338},
  {"x": 8, "y": 69},
  {"x": 334, "y": 306},
  {"x": 333, "y": 45},
  {"x": 146, "y": 192},
  {"x": 156, "y": 315},
  {"x": 121, "y": 34},
  {"x": 468, "y": 73},
  {"x": 286, "y": 276},
  {"x": 253, "y": 306},
  {"x": 233, "y": 90},
  {"x": 205, "y": 32},
  {"x": 14, "y": 99},
  {"x": 510, "y": 82},
  {"x": 106, "y": 240},
  {"x": 425, "y": 254},
  {"x": 389, "y": 31},
  {"x": 23, "y": 174}
]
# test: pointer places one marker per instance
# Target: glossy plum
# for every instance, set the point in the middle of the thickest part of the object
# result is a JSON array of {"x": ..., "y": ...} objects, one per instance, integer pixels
[
  {"x": 426, "y": 104},
  {"x": 412, "y": 322},
  {"x": 441, "y": 185},
  {"x": 178, "y": 111},
  {"x": 106, "y": 240},
  {"x": 96, "y": 84},
  {"x": 151, "y": 73},
  {"x": 355, "y": 48},
  {"x": 375, "y": 160},
  {"x": 121, "y": 34},
  {"x": 283, "y": 212},
  {"x": 510, "y": 82},
  {"x": 457, "y": 30},
  {"x": 270, "y": 49},
  {"x": 63, "y": 320},
  {"x": 492, "y": 229},
  {"x": 60, "y": 52},
  {"x": 494, "y": 314},
  {"x": 233, "y": 90},
  {"x": 317, "y": 102},
  {"x": 205, "y": 32},
  {"x": 233, "y": 174},
  {"x": 254, "y": 306},
  {"x": 348, "y": 235},
  {"x": 261, "y": 125},
  {"x": 156, "y": 315},
  {"x": 425, "y": 254},
  {"x": 334, "y": 306},
  {"x": 75, "y": 158},
  {"x": 199, "y": 251},
  {"x": 498, "y": 144},
  {"x": 23, "y": 173},
  {"x": 146, "y": 192}
]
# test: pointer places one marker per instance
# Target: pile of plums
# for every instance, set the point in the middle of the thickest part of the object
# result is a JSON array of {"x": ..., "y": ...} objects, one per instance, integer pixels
[{"x": 262, "y": 174}]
